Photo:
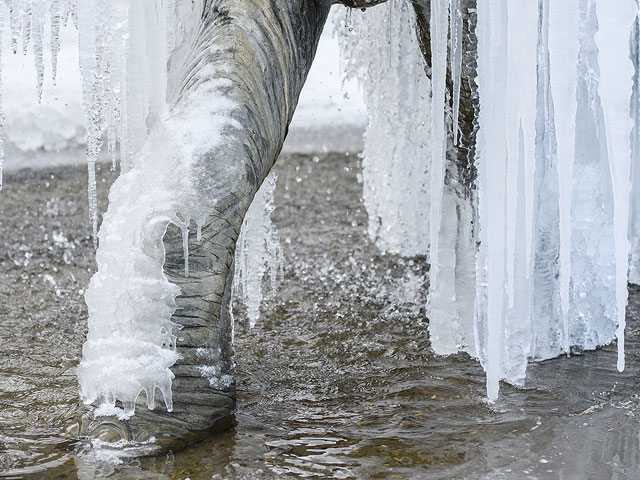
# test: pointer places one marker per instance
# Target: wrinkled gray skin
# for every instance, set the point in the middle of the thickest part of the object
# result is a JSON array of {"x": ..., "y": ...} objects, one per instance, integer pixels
[{"x": 267, "y": 47}]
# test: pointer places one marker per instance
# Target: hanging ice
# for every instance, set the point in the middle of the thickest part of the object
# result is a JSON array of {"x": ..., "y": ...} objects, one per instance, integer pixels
[
  {"x": 1, "y": 110},
  {"x": 529, "y": 248},
  {"x": 382, "y": 52},
  {"x": 616, "y": 73},
  {"x": 553, "y": 183},
  {"x": 634, "y": 234},
  {"x": 258, "y": 252},
  {"x": 557, "y": 249}
]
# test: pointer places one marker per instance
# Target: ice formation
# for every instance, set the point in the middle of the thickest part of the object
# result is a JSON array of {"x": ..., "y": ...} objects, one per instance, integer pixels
[
  {"x": 396, "y": 184},
  {"x": 552, "y": 209},
  {"x": 634, "y": 263},
  {"x": 529, "y": 258},
  {"x": 57, "y": 122},
  {"x": 258, "y": 251},
  {"x": 1, "y": 110}
]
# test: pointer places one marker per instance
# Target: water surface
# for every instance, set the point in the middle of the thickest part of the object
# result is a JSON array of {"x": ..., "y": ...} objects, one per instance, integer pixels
[{"x": 337, "y": 380}]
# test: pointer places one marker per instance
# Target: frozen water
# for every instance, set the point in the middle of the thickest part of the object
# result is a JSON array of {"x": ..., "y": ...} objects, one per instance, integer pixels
[
  {"x": 634, "y": 263},
  {"x": 551, "y": 220},
  {"x": 130, "y": 300},
  {"x": 57, "y": 122},
  {"x": 553, "y": 158},
  {"x": 258, "y": 251},
  {"x": 2, "y": 134},
  {"x": 397, "y": 95},
  {"x": 615, "y": 87}
]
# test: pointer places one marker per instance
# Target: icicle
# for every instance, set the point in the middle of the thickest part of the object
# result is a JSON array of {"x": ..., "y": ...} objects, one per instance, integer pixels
[
  {"x": 492, "y": 174},
  {"x": 88, "y": 44},
  {"x": 185, "y": 246},
  {"x": 258, "y": 251},
  {"x": 616, "y": 73},
  {"x": 15, "y": 24},
  {"x": 634, "y": 258},
  {"x": 26, "y": 19},
  {"x": 2, "y": 21},
  {"x": 439, "y": 31},
  {"x": 71, "y": 10},
  {"x": 37, "y": 22},
  {"x": 455, "y": 56},
  {"x": 520, "y": 143},
  {"x": 56, "y": 20},
  {"x": 563, "y": 54}
]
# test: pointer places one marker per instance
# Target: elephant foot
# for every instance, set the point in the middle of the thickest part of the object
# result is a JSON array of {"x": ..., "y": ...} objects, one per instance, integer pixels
[{"x": 154, "y": 432}]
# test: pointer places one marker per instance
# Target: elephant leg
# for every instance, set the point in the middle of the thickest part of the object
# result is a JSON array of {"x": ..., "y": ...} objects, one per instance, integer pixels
[{"x": 256, "y": 55}]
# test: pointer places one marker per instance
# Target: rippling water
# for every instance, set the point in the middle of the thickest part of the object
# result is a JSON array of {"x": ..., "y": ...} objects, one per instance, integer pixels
[{"x": 337, "y": 380}]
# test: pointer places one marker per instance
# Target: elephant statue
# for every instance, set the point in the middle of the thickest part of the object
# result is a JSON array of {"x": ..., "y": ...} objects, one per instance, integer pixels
[{"x": 267, "y": 47}]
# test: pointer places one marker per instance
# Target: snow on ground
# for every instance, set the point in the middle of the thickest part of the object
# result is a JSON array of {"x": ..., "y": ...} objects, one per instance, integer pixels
[{"x": 329, "y": 116}]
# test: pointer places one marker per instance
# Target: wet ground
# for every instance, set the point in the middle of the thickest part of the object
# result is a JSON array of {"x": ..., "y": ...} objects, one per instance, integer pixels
[{"x": 337, "y": 380}]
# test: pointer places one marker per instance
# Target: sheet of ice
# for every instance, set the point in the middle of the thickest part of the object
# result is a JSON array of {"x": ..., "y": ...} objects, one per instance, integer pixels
[{"x": 381, "y": 51}]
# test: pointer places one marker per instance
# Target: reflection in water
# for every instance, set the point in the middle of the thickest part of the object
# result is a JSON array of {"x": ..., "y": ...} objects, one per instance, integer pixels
[{"x": 336, "y": 380}]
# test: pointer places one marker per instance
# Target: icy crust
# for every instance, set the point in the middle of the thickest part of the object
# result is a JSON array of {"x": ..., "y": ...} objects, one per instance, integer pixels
[{"x": 131, "y": 343}]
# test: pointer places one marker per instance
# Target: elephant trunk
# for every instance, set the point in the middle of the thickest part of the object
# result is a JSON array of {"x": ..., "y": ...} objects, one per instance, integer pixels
[{"x": 253, "y": 56}]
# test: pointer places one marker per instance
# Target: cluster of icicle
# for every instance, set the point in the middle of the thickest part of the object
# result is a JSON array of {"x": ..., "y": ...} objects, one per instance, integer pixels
[
  {"x": 544, "y": 240},
  {"x": 258, "y": 251},
  {"x": 124, "y": 50},
  {"x": 26, "y": 20}
]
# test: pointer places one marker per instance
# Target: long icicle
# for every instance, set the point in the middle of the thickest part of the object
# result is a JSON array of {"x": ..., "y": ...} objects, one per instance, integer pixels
[
  {"x": 87, "y": 32},
  {"x": 439, "y": 31},
  {"x": 616, "y": 74},
  {"x": 491, "y": 155},
  {"x": 564, "y": 18},
  {"x": 455, "y": 59},
  {"x": 1, "y": 109}
]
